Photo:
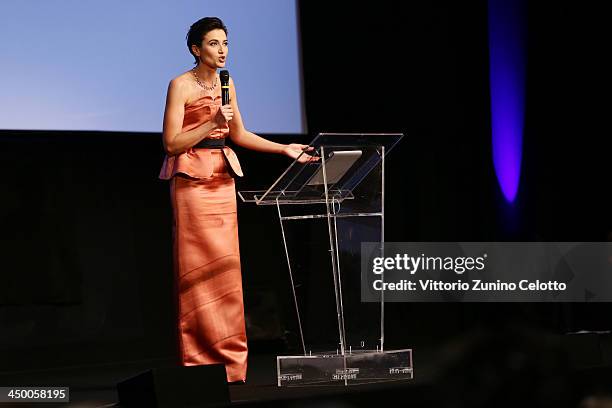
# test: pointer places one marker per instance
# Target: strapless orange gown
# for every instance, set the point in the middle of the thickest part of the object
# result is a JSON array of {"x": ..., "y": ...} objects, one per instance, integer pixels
[{"x": 211, "y": 325}]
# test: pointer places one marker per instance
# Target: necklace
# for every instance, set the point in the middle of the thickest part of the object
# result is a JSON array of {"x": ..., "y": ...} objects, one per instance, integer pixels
[{"x": 201, "y": 84}]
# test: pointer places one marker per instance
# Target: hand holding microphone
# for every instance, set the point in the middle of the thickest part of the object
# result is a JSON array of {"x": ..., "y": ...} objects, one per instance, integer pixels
[
  {"x": 224, "y": 115},
  {"x": 225, "y": 112}
]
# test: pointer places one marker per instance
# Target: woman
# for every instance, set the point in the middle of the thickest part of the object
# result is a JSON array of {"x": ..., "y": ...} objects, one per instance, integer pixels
[{"x": 201, "y": 170}]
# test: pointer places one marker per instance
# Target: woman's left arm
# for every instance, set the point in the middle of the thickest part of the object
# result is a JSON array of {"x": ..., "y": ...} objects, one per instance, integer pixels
[{"x": 249, "y": 140}]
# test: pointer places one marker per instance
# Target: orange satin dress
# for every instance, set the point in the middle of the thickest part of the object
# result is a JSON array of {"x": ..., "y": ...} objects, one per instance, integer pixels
[{"x": 211, "y": 327}]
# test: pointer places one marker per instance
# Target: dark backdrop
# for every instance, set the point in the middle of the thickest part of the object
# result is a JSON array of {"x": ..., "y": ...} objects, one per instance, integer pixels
[{"x": 86, "y": 243}]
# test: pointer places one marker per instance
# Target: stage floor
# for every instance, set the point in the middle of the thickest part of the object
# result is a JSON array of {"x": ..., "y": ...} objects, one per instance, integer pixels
[
  {"x": 95, "y": 386},
  {"x": 557, "y": 369}
]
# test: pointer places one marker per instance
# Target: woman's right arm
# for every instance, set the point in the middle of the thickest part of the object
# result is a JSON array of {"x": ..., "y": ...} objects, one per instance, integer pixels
[{"x": 176, "y": 142}]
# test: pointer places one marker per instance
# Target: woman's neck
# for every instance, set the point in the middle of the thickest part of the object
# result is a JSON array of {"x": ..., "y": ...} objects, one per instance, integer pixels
[{"x": 206, "y": 73}]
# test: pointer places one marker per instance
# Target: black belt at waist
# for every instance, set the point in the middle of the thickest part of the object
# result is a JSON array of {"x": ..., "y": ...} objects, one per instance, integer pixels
[{"x": 208, "y": 143}]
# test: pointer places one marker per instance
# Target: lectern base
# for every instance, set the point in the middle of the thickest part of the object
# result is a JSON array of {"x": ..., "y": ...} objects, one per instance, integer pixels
[{"x": 352, "y": 368}]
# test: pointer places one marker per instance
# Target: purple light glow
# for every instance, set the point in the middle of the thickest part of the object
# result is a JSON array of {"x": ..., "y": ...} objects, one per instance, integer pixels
[{"x": 507, "y": 88}]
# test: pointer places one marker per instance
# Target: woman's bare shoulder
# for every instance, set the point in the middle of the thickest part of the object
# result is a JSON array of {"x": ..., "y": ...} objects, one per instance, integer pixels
[
  {"x": 182, "y": 87},
  {"x": 182, "y": 80}
]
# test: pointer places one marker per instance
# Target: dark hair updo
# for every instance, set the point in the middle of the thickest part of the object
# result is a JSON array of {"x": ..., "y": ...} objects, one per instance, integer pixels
[{"x": 198, "y": 30}]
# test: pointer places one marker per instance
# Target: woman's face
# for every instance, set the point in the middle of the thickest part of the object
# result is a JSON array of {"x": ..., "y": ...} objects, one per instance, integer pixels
[{"x": 213, "y": 51}]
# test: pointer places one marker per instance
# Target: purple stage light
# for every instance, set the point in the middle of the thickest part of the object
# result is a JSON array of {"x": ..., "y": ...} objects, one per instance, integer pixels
[{"x": 507, "y": 66}]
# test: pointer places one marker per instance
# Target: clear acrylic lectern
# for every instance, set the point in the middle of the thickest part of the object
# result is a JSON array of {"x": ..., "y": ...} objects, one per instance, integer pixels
[{"x": 327, "y": 208}]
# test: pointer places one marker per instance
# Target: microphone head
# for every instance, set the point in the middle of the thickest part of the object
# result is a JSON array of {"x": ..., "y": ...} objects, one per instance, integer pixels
[{"x": 224, "y": 75}]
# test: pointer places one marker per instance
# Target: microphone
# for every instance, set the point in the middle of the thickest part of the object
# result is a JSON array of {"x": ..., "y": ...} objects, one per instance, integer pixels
[{"x": 224, "y": 75}]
